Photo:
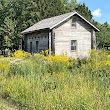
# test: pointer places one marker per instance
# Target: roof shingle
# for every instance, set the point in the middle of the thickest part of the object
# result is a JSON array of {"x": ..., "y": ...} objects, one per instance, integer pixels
[{"x": 49, "y": 23}]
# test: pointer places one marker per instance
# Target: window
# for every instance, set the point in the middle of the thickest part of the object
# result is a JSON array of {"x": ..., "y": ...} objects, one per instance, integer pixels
[
  {"x": 73, "y": 45},
  {"x": 30, "y": 46},
  {"x": 37, "y": 46},
  {"x": 73, "y": 23}
]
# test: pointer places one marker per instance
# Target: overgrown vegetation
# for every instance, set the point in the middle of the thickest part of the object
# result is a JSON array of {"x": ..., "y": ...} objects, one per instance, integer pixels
[{"x": 57, "y": 82}]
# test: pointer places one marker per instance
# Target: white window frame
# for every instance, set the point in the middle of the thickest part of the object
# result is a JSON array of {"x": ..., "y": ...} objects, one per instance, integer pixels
[{"x": 75, "y": 46}]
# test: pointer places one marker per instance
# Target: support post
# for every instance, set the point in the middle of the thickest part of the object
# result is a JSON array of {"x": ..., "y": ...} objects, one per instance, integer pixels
[
  {"x": 53, "y": 41},
  {"x": 25, "y": 43},
  {"x": 93, "y": 39},
  {"x": 50, "y": 37}
]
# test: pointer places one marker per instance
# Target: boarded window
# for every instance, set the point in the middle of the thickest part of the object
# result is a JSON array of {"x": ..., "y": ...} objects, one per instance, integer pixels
[
  {"x": 30, "y": 46},
  {"x": 37, "y": 46},
  {"x": 73, "y": 45}
]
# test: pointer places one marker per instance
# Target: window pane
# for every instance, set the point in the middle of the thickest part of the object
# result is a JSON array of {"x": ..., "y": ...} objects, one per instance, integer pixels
[
  {"x": 73, "y": 44},
  {"x": 73, "y": 47}
]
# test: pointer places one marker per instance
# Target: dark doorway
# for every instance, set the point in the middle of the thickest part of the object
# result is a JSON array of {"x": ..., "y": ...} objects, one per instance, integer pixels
[
  {"x": 37, "y": 46},
  {"x": 31, "y": 47}
]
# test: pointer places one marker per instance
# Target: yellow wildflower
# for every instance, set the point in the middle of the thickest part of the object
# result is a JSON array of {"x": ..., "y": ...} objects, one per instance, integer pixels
[
  {"x": 20, "y": 53},
  {"x": 57, "y": 58},
  {"x": 106, "y": 62}
]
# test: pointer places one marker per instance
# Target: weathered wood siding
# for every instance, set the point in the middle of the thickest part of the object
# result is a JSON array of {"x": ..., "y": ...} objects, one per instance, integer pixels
[
  {"x": 65, "y": 33},
  {"x": 41, "y": 37}
]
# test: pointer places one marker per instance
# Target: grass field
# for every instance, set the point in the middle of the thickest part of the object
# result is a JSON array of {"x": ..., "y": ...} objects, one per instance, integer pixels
[{"x": 55, "y": 82}]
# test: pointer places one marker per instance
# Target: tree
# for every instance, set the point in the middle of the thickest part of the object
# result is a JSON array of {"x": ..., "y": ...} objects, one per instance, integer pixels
[
  {"x": 84, "y": 11},
  {"x": 16, "y": 15},
  {"x": 69, "y": 5},
  {"x": 103, "y": 37},
  {"x": 49, "y": 8},
  {"x": 8, "y": 32}
]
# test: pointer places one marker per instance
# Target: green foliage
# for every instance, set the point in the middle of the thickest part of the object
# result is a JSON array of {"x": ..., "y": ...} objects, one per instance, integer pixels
[
  {"x": 103, "y": 37},
  {"x": 49, "y": 8},
  {"x": 28, "y": 67},
  {"x": 14, "y": 15},
  {"x": 84, "y": 11},
  {"x": 69, "y": 5},
  {"x": 85, "y": 87}
]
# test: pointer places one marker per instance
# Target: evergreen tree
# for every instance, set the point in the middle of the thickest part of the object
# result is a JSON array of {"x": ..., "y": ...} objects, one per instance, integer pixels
[
  {"x": 84, "y": 11},
  {"x": 50, "y": 8},
  {"x": 69, "y": 5},
  {"x": 16, "y": 15},
  {"x": 103, "y": 37}
]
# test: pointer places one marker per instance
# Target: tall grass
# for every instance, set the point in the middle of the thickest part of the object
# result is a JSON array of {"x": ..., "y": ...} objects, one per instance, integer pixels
[{"x": 59, "y": 83}]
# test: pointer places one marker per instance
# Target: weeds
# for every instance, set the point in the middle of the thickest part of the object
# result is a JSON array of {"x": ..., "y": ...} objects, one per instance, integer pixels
[{"x": 58, "y": 83}]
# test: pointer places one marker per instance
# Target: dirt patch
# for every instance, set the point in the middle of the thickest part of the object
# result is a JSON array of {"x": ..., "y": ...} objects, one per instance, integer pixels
[{"x": 5, "y": 105}]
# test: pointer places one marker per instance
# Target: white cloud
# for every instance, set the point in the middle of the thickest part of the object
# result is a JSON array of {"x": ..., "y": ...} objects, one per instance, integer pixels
[{"x": 97, "y": 13}]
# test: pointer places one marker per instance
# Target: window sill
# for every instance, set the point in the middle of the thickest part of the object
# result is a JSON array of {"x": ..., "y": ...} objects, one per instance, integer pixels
[{"x": 73, "y": 50}]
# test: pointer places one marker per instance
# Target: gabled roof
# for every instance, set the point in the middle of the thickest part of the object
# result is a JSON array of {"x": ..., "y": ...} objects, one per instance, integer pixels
[{"x": 52, "y": 22}]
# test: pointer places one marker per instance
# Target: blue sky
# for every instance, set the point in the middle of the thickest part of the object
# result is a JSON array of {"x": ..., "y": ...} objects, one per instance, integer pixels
[{"x": 100, "y": 9}]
